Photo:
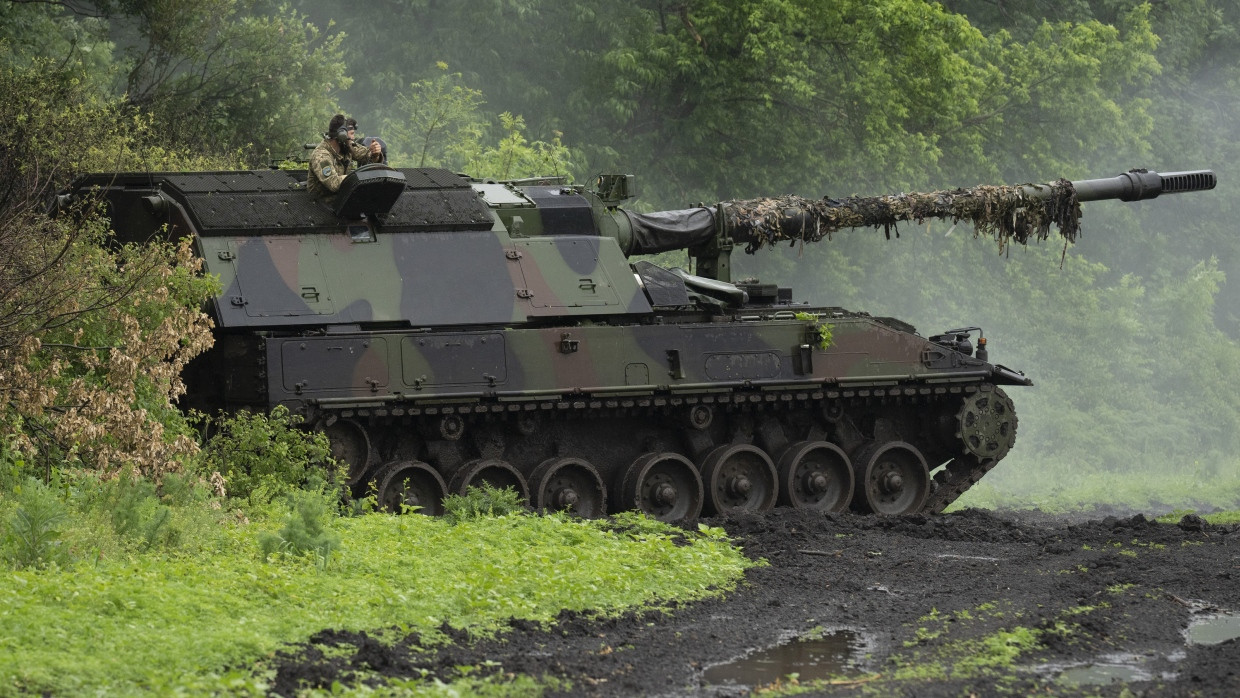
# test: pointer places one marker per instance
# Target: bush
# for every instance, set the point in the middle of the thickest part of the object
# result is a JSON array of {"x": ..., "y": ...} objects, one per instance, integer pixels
[
  {"x": 33, "y": 535},
  {"x": 264, "y": 456},
  {"x": 14, "y": 468},
  {"x": 133, "y": 507},
  {"x": 305, "y": 530},
  {"x": 481, "y": 501}
]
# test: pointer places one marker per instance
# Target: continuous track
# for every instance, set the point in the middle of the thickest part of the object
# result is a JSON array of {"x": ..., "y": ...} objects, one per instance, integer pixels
[{"x": 676, "y": 457}]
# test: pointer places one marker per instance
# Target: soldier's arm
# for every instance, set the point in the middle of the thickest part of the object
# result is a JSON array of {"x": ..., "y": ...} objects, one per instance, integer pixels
[
  {"x": 363, "y": 155},
  {"x": 322, "y": 167}
]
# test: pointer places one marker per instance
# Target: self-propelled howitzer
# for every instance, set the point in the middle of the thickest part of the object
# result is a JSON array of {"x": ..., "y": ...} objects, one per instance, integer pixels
[{"x": 447, "y": 332}]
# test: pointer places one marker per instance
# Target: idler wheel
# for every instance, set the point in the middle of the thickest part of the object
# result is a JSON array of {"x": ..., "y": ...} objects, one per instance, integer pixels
[
  {"x": 664, "y": 486},
  {"x": 986, "y": 423},
  {"x": 349, "y": 445},
  {"x": 491, "y": 471},
  {"x": 569, "y": 484},
  {"x": 815, "y": 475},
  {"x": 892, "y": 478},
  {"x": 411, "y": 484},
  {"x": 738, "y": 478}
]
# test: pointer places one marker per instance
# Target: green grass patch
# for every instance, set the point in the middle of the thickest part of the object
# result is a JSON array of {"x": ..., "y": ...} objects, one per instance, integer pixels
[
  {"x": 1021, "y": 482},
  {"x": 999, "y": 649},
  {"x": 161, "y": 622},
  {"x": 936, "y": 652},
  {"x": 1223, "y": 517}
]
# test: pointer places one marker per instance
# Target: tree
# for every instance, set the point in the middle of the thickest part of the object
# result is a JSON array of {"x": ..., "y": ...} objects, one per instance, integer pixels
[
  {"x": 437, "y": 122},
  {"x": 92, "y": 335},
  {"x": 220, "y": 74},
  {"x": 709, "y": 99},
  {"x": 44, "y": 32},
  {"x": 241, "y": 72},
  {"x": 440, "y": 124}
]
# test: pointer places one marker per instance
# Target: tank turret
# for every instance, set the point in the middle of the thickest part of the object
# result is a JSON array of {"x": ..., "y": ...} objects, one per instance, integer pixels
[{"x": 446, "y": 332}]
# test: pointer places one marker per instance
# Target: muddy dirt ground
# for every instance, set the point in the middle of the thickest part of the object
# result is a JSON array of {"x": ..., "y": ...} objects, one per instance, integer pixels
[{"x": 920, "y": 605}]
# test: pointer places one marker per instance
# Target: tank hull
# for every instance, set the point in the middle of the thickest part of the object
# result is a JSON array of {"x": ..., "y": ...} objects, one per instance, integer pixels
[{"x": 607, "y": 396}]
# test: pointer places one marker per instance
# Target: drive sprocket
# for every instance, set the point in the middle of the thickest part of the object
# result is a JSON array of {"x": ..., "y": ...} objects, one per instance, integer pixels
[{"x": 986, "y": 423}]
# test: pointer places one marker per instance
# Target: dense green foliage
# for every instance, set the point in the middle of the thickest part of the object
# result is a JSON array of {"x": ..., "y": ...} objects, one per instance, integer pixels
[
  {"x": 93, "y": 334},
  {"x": 196, "y": 615},
  {"x": 479, "y": 502},
  {"x": 262, "y": 456},
  {"x": 221, "y": 74},
  {"x": 440, "y": 123},
  {"x": 712, "y": 99},
  {"x": 1132, "y": 341}
]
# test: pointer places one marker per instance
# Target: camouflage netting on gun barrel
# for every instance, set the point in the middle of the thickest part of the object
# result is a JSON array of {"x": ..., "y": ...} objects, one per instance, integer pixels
[{"x": 1005, "y": 213}]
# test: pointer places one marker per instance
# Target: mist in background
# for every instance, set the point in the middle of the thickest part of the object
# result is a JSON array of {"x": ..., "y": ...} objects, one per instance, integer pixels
[{"x": 1131, "y": 336}]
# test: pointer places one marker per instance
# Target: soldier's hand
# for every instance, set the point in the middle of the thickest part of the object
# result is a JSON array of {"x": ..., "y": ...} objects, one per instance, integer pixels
[{"x": 375, "y": 148}]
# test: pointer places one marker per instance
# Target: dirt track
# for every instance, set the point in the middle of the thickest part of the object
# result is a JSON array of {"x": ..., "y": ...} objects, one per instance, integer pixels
[{"x": 925, "y": 596}]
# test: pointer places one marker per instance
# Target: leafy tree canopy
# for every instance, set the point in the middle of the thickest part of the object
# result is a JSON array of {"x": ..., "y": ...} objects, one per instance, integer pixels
[
  {"x": 712, "y": 99},
  {"x": 221, "y": 74}
]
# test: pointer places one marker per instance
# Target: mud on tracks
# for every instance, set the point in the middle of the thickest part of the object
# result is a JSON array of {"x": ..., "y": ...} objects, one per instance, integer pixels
[{"x": 942, "y": 602}]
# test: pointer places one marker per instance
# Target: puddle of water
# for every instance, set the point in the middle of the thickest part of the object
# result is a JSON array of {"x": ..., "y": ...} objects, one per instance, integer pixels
[
  {"x": 1203, "y": 629},
  {"x": 1213, "y": 629},
  {"x": 822, "y": 657},
  {"x": 1103, "y": 674},
  {"x": 1120, "y": 667}
]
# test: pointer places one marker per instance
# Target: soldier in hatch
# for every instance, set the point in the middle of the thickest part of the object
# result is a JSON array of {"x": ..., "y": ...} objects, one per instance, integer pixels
[{"x": 329, "y": 163}]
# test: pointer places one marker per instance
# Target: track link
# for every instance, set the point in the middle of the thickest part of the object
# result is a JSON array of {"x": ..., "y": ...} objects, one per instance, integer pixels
[{"x": 954, "y": 480}]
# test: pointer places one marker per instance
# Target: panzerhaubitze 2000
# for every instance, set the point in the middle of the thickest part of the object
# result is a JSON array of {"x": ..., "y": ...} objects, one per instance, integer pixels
[{"x": 447, "y": 332}]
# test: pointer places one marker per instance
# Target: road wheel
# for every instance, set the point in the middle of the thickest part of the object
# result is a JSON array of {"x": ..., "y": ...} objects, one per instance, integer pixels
[
  {"x": 738, "y": 478},
  {"x": 349, "y": 445},
  {"x": 489, "y": 471},
  {"x": 569, "y": 484},
  {"x": 815, "y": 475},
  {"x": 664, "y": 486},
  {"x": 892, "y": 478},
  {"x": 410, "y": 484}
]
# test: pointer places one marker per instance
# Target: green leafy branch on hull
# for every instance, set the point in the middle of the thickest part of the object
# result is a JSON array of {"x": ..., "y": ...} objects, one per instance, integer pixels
[
  {"x": 819, "y": 331},
  {"x": 1006, "y": 213}
]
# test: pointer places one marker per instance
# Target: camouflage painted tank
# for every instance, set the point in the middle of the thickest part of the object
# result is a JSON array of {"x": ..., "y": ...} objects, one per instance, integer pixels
[{"x": 447, "y": 332}]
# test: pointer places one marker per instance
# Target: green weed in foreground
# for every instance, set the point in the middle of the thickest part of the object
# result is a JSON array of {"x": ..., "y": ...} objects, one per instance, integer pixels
[
  {"x": 163, "y": 623},
  {"x": 936, "y": 652},
  {"x": 478, "y": 502},
  {"x": 33, "y": 531}
]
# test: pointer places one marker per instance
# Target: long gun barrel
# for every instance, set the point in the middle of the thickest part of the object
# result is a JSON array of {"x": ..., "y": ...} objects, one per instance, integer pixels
[
  {"x": 1008, "y": 213},
  {"x": 1137, "y": 185}
]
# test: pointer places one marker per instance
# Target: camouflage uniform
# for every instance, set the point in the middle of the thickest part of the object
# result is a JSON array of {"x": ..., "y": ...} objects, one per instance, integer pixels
[{"x": 328, "y": 170}]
